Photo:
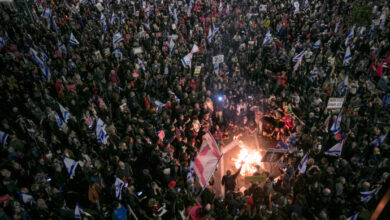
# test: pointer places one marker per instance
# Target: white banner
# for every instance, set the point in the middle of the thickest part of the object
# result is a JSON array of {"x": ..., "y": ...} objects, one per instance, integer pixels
[
  {"x": 218, "y": 59},
  {"x": 335, "y": 103}
]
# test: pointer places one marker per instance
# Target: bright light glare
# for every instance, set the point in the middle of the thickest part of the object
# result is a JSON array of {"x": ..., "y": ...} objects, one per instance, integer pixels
[
  {"x": 220, "y": 98},
  {"x": 249, "y": 160}
]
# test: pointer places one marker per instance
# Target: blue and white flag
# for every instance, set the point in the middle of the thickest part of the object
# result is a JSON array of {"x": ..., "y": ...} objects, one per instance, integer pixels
[
  {"x": 212, "y": 33},
  {"x": 190, "y": 173},
  {"x": 367, "y": 196},
  {"x": 303, "y": 164},
  {"x": 171, "y": 45},
  {"x": 65, "y": 113},
  {"x": 73, "y": 40},
  {"x": 361, "y": 32},
  {"x": 317, "y": 44},
  {"x": 46, "y": 13},
  {"x": 267, "y": 38},
  {"x": 118, "y": 53},
  {"x": 350, "y": 36},
  {"x": 118, "y": 188},
  {"x": 313, "y": 76},
  {"x": 283, "y": 145},
  {"x": 175, "y": 15},
  {"x": 117, "y": 38},
  {"x": 297, "y": 57},
  {"x": 379, "y": 141},
  {"x": 102, "y": 18},
  {"x": 210, "y": 36},
  {"x": 227, "y": 9},
  {"x": 141, "y": 64},
  {"x": 336, "y": 126},
  {"x": 306, "y": 4},
  {"x": 147, "y": 10},
  {"x": 55, "y": 27},
  {"x": 147, "y": 25},
  {"x": 78, "y": 212},
  {"x": 220, "y": 7},
  {"x": 3, "y": 140},
  {"x": 70, "y": 166},
  {"x": 216, "y": 68},
  {"x": 26, "y": 198},
  {"x": 347, "y": 57},
  {"x": 336, "y": 29},
  {"x": 159, "y": 104},
  {"x": 101, "y": 133},
  {"x": 186, "y": 61},
  {"x": 45, "y": 69},
  {"x": 93, "y": 2},
  {"x": 336, "y": 149},
  {"x": 105, "y": 26},
  {"x": 59, "y": 120},
  {"x": 112, "y": 20},
  {"x": 122, "y": 18},
  {"x": 354, "y": 217},
  {"x": 344, "y": 85},
  {"x": 44, "y": 56},
  {"x": 61, "y": 47}
]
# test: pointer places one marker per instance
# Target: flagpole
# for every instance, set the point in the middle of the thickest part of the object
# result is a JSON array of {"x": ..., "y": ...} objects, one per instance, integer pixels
[{"x": 215, "y": 168}]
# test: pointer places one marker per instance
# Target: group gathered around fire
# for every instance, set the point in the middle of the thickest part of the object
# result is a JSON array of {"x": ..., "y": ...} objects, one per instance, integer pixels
[{"x": 104, "y": 105}]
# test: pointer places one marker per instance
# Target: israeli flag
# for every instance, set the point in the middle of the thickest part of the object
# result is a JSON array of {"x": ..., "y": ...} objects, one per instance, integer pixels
[
  {"x": 102, "y": 18},
  {"x": 379, "y": 141},
  {"x": 46, "y": 13},
  {"x": 220, "y": 8},
  {"x": 70, "y": 166},
  {"x": 354, "y": 217},
  {"x": 65, "y": 113},
  {"x": 336, "y": 126},
  {"x": 317, "y": 44},
  {"x": 210, "y": 36},
  {"x": 216, "y": 68},
  {"x": 147, "y": 24},
  {"x": 55, "y": 27},
  {"x": 344, "y": 85},
  {"x": 186, "y": 61},
  {"x": 26, "y": 198},
  {"x": 190, "y": 173},
  {"x": 3, "y": 140},
  {"x": 267, "y": 38},
  {"x": 118, "y": 188},
  {"x": 347, "y": 57},
  {"x": 46, "y": 71},
  {"x": 227, "y": 9},
  {"x": 105, "y": 26},
  {"x": 283, "y": 145},
  {"x": 61, "y": 47},
  {"x": 336, "y": 29},
  {"x": 112, "y": 20},
  {"x": 306, "y": 4},
  {"x": 175, "y": 15},
  {"x": 158, "y": 104},
  {"x": 171, "y": 45},
  {"x": 122, "y": 18},
  {"x": 350, "y": 36},
  {"x": 118, "y": 53},
  {"x": 296, "y": 58},
  {"x": 101, "y": 133},
  {"x": 147, "y": 10},
  {"x": 117, "y": 38},
  {"x": 59, "y": 121},
  {"x": 367, "y": 196},
  {"x": 335, "y": 150},
  {"x": 303, "y": 164},
  {"x": 78, "y": 212},
  {"x": 44, "y": 56},
  {"x": 73, "y": 40},
  {"x": 141, "y": 64},
  {"x": 362, "y": 30},
  {"x": 313, "y": 76}
]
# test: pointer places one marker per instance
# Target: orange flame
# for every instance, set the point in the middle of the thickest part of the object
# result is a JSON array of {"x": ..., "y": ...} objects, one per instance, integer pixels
[{"x": 249, "y": 160}]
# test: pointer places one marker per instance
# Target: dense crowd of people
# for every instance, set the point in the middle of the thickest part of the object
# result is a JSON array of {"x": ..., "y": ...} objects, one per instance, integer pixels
[{"x": 103, "y": 85}]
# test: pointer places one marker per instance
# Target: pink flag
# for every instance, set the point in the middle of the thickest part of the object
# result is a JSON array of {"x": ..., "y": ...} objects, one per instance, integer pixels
[
  {"x": 298, "y": 64},
  {"x": 161, "y": 134},
  {"x": 207, "y": 159}
]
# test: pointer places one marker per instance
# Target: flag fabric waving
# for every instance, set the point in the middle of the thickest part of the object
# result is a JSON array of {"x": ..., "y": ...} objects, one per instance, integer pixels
[
  {"x": 65, "y": 113},
  {"x": 73, "y": 40},
  {"x": 118, "y": 188},
  {"x": 354, "y": 217},
  {"x": 347, "y": 57},
  {"x": 344, "y": 85},
  {"x": 267, "y": 38},
  {"x": 379, "y": 141},
  {"x": 336, "y": 149},
  {"x": 3, "y": 140},
  {"x": 303, "y": 164},
  {"x": 367, "y": 196},
  {"x": 317, "y": 44},
  {"x": 297, "y": 57},
  {"x": 101, "y": 133},
  {"x": 336, "y": 126},
  {"x": 70, "y": 166},
  {"x": 207, "y": 159}
]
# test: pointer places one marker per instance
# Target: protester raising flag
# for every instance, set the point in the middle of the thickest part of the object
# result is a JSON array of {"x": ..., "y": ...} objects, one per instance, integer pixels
[
  {"x": 101, "y": 133},
  {"x": 336, "y": 149},
  {"x": 297, "y": 57},
  {"x": 175, "y": 15},
  {"x": 367, "y": 196},
  {"x": 44, "y": 68},
  {"x": 117, "y": 38},
  {"x": 317, "y": 44},
  {"x": 26, "y": 198},
  {"x": 73, "y": 40},
  {"x": 78, "y": 212},
  {"x": 186, "y": 61},
  {"x": 3, "y": 140},
  {"x": 213, "y": 33},
  {"x": 65, "y": 113},
  {"x": 303, "y": 164},
  {"x": 336, "y": 29},
  {"x": 70, "y": 166},
  {"x": 227, "y": 9},
  {"x": 379, "y": 141},
  {"x": 122, "y": 18},
  {"x": 220, "y": 7},
  {"x": 336, "y": 126},
  {"x": 313, "y": 76},
  {"x": 59, "y": 121},
  {"x": 141, "y": 64},
  {"x": 267, "y": 38},
  {"x": 326, "y": 124},
  {"x": 347, "y": 57},
  {"x": 207, "y": 159},
  {"x": 354, "y": 217},
  {"x": 190, "y": 173},
  {"x": 118, "y": 188},
  {"x": 112, "y": 20},
  {"x": 344, "y": 85}
]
